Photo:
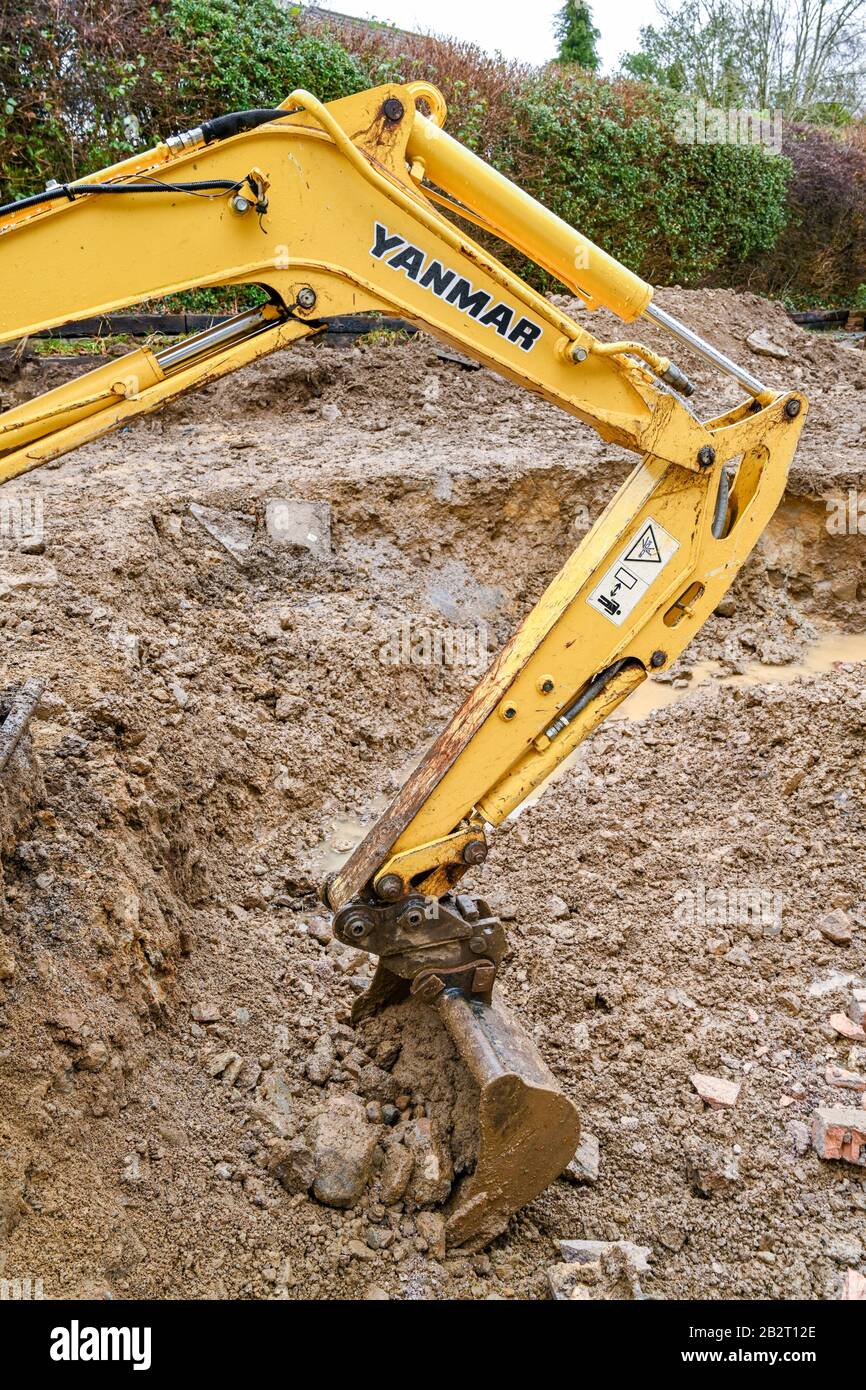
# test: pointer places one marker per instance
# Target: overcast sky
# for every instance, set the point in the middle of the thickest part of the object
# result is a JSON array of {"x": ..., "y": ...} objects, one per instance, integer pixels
[{"x": 518, "y": 28}]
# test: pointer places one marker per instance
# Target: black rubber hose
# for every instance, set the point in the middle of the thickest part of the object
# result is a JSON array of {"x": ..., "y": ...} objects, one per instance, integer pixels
[
  {"x": 222, "y": 127},
  {"x": 72, "y": 190}
]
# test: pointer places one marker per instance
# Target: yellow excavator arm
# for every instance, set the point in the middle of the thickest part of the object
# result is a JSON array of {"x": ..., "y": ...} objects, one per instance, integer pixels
[{"x": 349, "y": 208}]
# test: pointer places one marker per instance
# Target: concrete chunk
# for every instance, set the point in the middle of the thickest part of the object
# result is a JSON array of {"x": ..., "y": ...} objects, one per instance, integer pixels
[{"x": 302, "y": 525}]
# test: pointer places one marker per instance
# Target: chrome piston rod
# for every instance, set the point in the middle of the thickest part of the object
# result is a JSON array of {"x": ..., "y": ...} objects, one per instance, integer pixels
[
  {"x": 707, "y": 351},
  {"x": 233, "y": 330}
]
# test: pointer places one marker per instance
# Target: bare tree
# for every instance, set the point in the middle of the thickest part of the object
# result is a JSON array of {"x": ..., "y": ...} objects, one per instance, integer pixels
[{"x": 802, "y": 56}]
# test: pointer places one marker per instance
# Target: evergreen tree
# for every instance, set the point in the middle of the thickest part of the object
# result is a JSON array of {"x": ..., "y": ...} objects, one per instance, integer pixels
[{"x": 577, "y": 35}]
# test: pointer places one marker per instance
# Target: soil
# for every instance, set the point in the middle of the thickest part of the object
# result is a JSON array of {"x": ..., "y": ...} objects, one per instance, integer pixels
[{"x": 221, "y": 723}]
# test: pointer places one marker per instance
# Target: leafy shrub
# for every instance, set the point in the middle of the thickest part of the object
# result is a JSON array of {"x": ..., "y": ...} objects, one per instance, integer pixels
[{"x": 822, "y": 251}]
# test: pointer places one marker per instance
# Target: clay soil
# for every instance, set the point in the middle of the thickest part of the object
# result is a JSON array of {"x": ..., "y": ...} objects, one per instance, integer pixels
[{"x": 219, "y": 728}]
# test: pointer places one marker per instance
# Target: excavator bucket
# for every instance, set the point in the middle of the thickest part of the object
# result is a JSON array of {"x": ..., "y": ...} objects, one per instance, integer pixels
[
  {"x": 443, "y": 954},
  {"x": 527, "y": 1129}
]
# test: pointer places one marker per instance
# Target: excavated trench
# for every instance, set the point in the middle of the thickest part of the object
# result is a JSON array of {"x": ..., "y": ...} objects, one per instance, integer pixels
[{"x": 229, "y": 704}]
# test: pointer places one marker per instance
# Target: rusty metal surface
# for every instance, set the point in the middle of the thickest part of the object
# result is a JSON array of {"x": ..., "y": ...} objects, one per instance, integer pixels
[{"x": 528, "y": 1130}]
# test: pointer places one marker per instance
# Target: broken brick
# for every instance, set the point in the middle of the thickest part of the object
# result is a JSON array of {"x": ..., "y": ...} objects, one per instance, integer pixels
[
  {"x": 839, "y": 1131},
  {"x": 841, "y": 1023},
  {"x": 715, "y": 1091}
]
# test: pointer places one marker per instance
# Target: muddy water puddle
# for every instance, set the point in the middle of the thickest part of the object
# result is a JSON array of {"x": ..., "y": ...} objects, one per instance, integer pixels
[{"x": 828, "y": 651}]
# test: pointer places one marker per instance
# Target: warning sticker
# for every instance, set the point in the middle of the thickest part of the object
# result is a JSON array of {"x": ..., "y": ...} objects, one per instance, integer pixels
[{"x": 632, "y": 572}]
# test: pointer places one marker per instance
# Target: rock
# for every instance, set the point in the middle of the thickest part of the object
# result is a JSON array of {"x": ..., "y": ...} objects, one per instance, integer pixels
[
  {"x": 206, "y": 1011},
  {"x": 93, "y": 1057},
  {"x": 395, "y": 1173},
  {"x": 291, "y": 1162},
  {"x": 798, "y": 1137},
  {"x": 249, "y": 1075},
  {"x": 857, "y": 1011},
  {"x": 715, "y": 1091},
  {"x": 841, "y": 1023},
  {"x": 847, "y": 1080},
  {"x": 432, "y": 1172},
  {"x": 854, "y": 1286},
  {"x": 836, "y": 927},
  {"x": 387, "y": 1053},
  {"x": 320, "y": 1062},
  {"x": 51, "y": 706},
  {"x": 726, "y": 607},
  {"x": 556, "y": 907},
  {"x": 567, "y": 1282},
  {"x": 343, "y": 1143},
  {"x": 790, "y": 1002},
  {"x": 839, "y": 1132},
  {"x": 7, "y": 965},
  {"x": 359, "y": 1251},
  {"x": 583, "y": 1168},
  {"x": 379, "y": 1237},
  {"x": 430, "y": 1226},
  {"x": 714, "y": 1174},
  {"x": 377, "y": 1084},
  {"x": 738, "y": 955},
  {"x": 329, "y": 411},
  {"x": 586, "y": 1251},
  {"x": 232, "y": 1071},
  {"x": 761, "y": 343},
  {"x": 301, "y": 525},
  {"x": 217, "y": 1065},
  {"x": 374, "y": 1293},
  {"x": 845, "y": 1250}
]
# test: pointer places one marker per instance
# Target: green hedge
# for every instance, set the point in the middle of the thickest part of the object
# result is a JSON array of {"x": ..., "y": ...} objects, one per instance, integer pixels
[{"x": 602, "y": 154}]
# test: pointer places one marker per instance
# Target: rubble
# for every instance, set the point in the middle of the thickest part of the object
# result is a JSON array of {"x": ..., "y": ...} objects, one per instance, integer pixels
[
  {"x": 583, "y": 1168},
  {"x": 840, "y": 1132},
  {"x": 715, "y": 1091},
  {"x": 836, "y": 926},
  {"x": 847, "y": 1080},
  {"x": 847, "y": 1028},
  {"x": 595, "y": 1270},
  {"x": 342, "y": 1145}
]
